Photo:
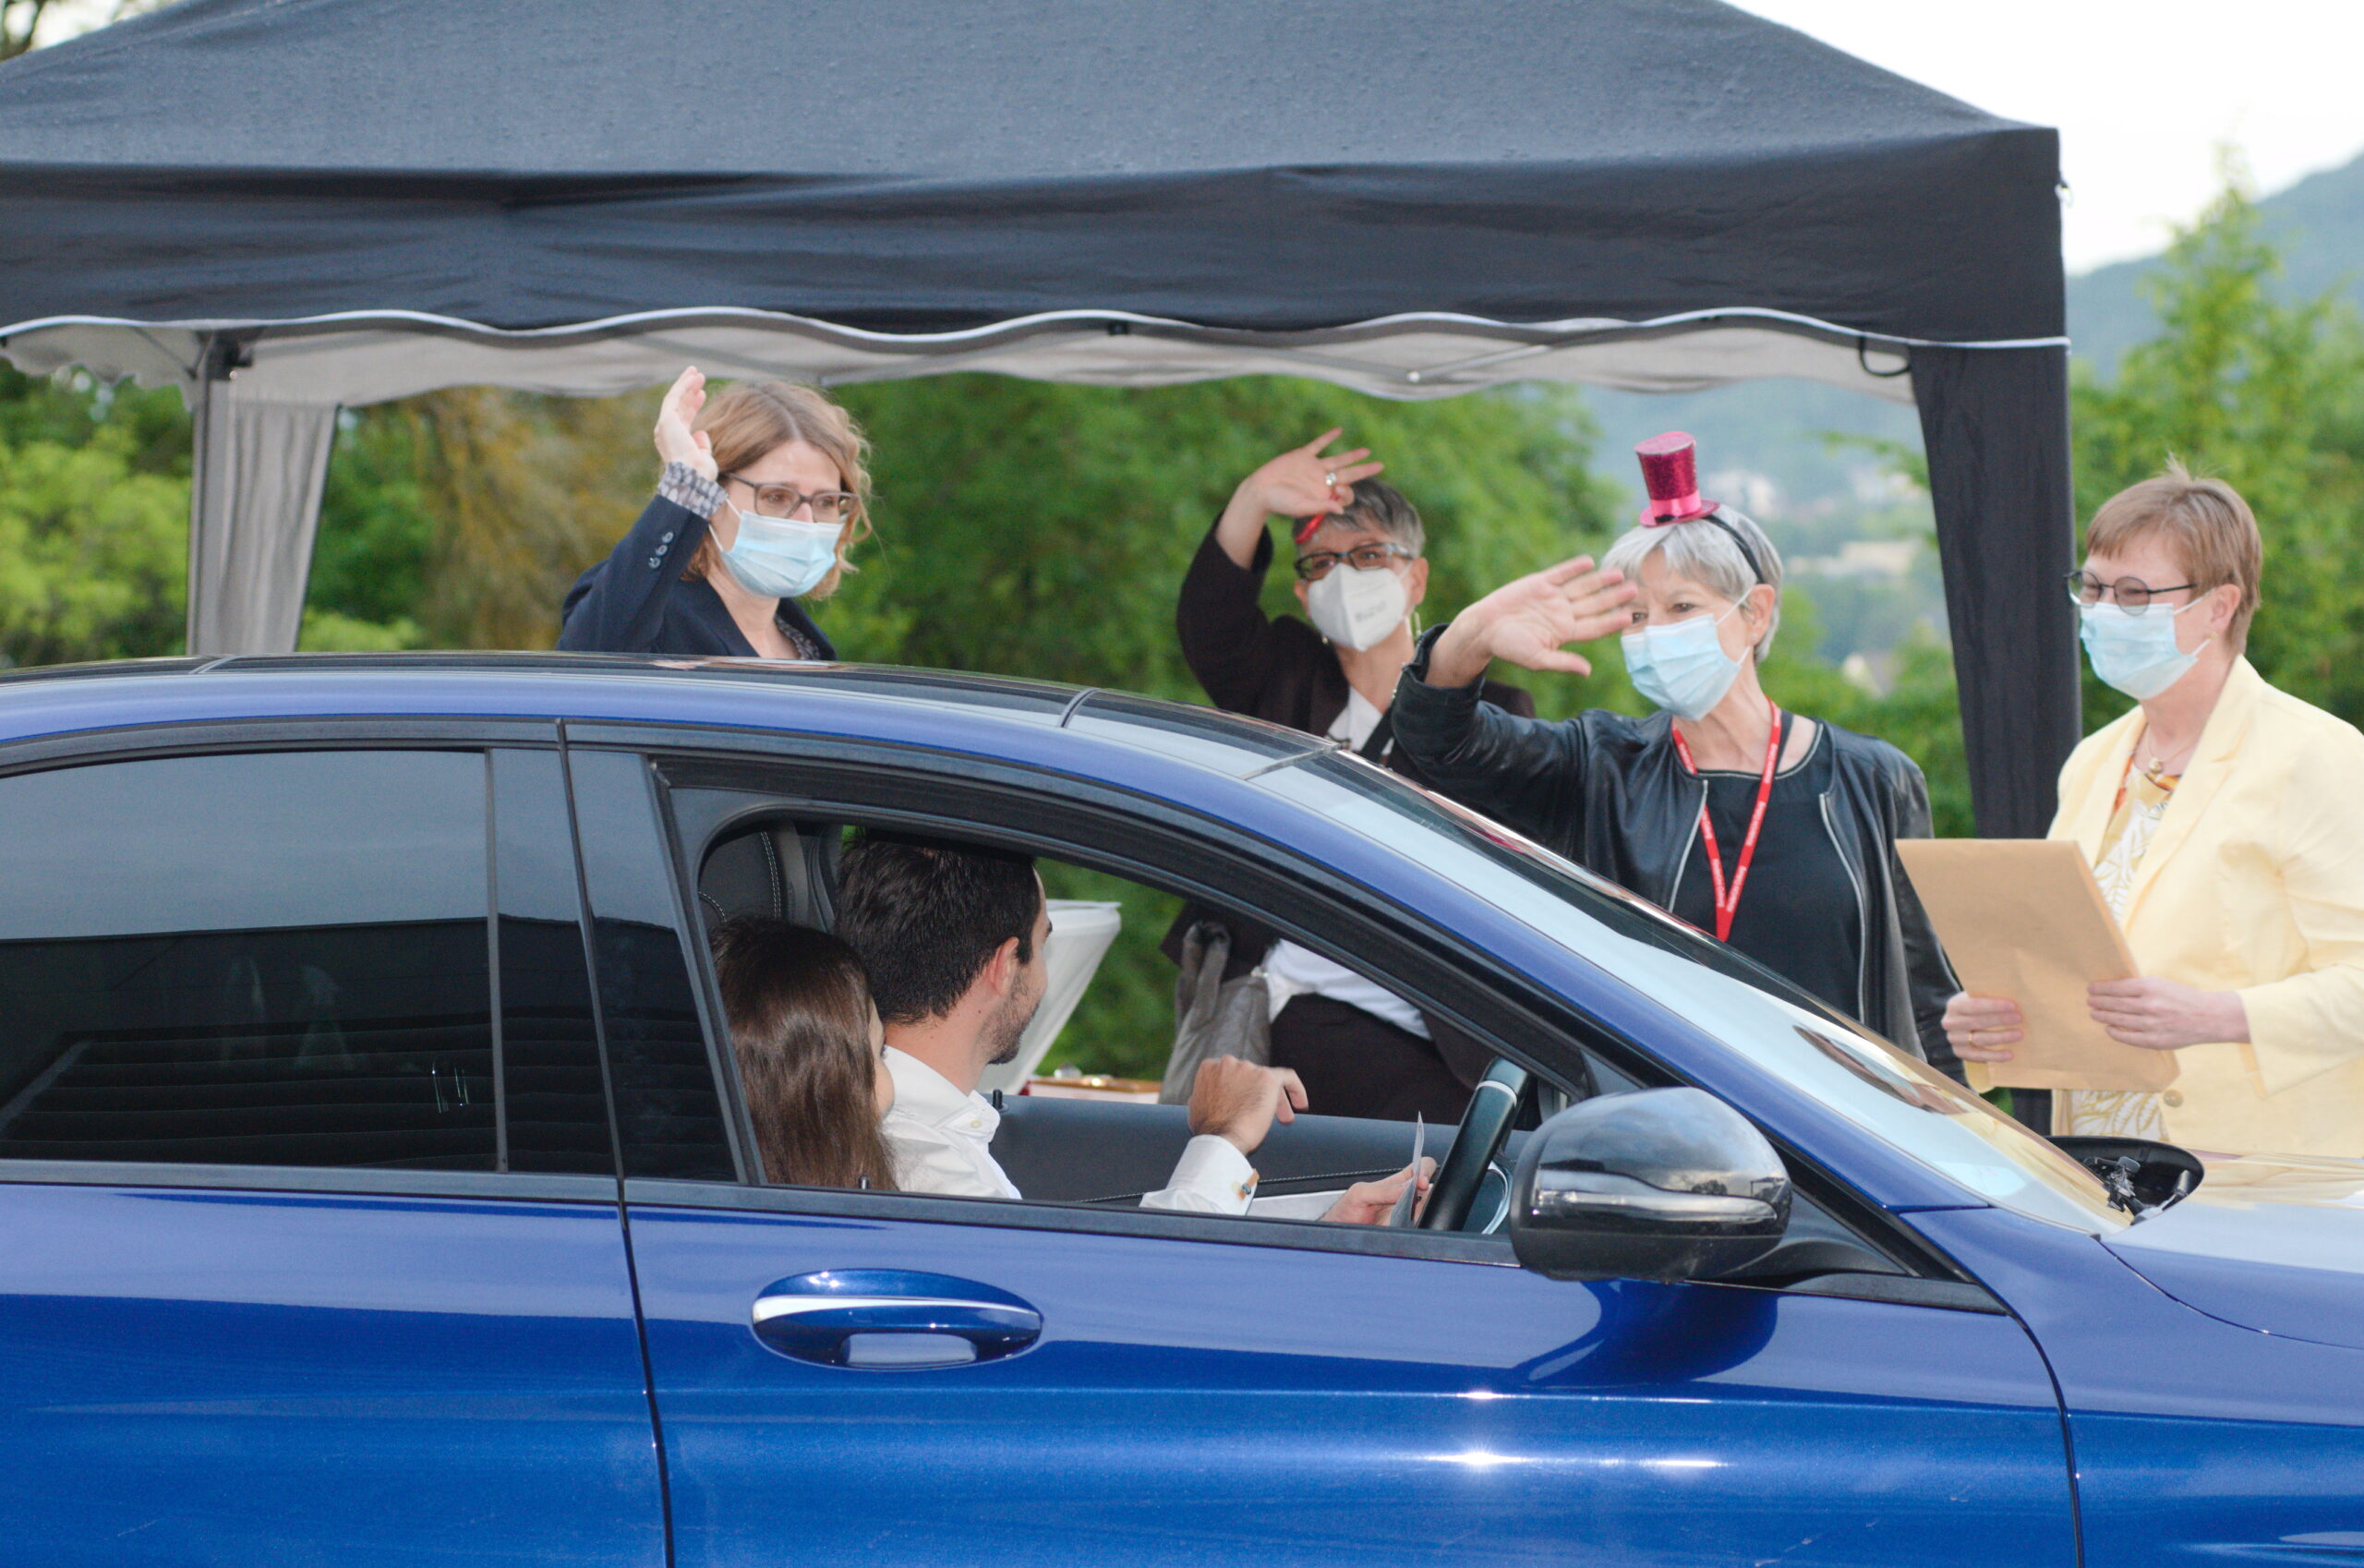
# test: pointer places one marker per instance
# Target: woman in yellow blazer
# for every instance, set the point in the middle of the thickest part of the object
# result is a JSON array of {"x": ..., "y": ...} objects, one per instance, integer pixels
[{"x": 2221, "y": 818}]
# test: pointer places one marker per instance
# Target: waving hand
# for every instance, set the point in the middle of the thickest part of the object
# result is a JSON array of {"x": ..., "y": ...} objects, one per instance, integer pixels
[{"x": 1530, "y": 622}]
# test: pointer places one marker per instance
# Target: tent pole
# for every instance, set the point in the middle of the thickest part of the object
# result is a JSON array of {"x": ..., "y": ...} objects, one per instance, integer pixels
[{"x": 1994, "y": 424}]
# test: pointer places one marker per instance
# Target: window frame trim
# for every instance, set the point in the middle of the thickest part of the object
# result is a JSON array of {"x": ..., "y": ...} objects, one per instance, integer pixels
[{"x": 539, "y": 1187}]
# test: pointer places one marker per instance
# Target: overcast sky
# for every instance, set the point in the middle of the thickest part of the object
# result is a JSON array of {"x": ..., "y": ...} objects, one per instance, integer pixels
[{"x": 2144, "y": 90}]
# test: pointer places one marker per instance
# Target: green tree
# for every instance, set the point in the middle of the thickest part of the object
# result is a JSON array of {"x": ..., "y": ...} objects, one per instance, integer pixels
[
  {"x": 2269, "y": 395},
  {"x": 1042, "y": 530},
  {"x": 94, "y": 519}
]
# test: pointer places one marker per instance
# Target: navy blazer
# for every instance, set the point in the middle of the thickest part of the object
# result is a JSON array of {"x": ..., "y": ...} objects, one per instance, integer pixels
[{"x": 637, "y": 600}]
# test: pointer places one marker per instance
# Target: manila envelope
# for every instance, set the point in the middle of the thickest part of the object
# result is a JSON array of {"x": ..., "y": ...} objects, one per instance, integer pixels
[{"x": 2023, "y": 918}]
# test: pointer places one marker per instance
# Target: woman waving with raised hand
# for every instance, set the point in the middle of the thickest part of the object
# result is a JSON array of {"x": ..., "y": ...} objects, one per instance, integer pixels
[
  {"x": 765, "y": 491},
  {"x": 1775, "y": 831}
]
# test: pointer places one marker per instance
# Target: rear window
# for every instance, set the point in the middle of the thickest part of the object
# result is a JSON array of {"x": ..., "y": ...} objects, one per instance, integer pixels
[{"x": 265, "y": 959}]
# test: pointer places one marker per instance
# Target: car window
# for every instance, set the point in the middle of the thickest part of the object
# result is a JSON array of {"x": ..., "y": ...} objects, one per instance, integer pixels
[
  {"x": 1077, "y": 1118},
  {"x": 1894, "y": 1097},
  {"x": 279, "y": 959}
]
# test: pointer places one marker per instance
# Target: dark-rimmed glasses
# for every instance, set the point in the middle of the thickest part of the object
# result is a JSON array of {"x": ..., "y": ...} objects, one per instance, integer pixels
[
  {"x": 1362, "y": 558},
  {"x": 2131, "y": 593},
  {"x": 781, "y": 501}
]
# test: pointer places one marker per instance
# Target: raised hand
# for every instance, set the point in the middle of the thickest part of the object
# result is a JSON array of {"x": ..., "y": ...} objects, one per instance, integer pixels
[
  {"x": 1236, "y": 1099},
  {"x": 676, "y": 442},
  {"x": 1531, "y": 622},
  {"x": 1298, "y": 483}
]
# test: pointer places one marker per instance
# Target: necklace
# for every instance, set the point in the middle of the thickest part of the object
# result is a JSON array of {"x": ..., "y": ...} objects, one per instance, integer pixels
[{"x": 2157, "y": 768}]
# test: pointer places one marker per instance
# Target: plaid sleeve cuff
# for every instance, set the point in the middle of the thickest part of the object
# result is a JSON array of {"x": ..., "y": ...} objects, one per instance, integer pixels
[{"x": 689, "y": 489}]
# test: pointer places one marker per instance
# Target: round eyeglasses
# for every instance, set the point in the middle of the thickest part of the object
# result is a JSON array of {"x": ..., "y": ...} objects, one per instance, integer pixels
[
  {"x": 2130, "y": 594},
  {"x": 1362, "y": 558},
  {"x": 782, "y": 500}
]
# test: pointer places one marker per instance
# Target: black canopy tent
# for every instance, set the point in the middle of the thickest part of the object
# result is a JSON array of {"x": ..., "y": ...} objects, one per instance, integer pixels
[{"x": 289, "y": 206}]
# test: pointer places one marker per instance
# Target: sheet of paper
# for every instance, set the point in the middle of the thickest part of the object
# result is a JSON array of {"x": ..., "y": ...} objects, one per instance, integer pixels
[
  {"x": 1409, "y": 1201},
  {"x": 2022, "y": 917}
]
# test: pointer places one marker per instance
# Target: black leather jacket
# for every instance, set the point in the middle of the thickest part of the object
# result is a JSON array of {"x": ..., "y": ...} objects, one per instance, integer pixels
[{"x": 1610, "y": 793}]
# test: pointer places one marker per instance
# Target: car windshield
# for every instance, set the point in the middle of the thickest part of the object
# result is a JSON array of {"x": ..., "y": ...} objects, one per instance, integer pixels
[{"x": 1895, "y": 1097}]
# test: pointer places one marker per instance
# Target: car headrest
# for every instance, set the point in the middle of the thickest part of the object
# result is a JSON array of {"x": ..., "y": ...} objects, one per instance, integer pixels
[{"x": 778, "y": 870}]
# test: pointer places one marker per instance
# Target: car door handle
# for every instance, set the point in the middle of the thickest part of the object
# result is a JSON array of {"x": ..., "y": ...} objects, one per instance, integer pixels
[{"x": 882, "y": 1318}]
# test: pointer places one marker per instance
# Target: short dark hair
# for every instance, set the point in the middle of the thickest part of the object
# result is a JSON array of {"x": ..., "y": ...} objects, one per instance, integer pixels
[
  {"x": 926, "y": 915},
  {"x": 1385, "y": 510}
]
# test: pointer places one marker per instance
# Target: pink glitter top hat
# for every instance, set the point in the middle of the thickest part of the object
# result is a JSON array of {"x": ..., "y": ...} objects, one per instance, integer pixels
[{"x": 1671, "y": 473}]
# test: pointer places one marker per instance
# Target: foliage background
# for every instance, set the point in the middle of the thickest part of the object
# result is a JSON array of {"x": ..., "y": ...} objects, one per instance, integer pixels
[{"x": 1041, "y": 530}]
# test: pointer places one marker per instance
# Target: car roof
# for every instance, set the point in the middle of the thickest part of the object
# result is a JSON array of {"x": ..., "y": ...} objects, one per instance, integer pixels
[{"x": 894, "y": 702}]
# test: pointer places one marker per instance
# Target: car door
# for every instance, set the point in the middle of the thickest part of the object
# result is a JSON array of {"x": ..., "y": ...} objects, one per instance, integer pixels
[
  {"x": 313, "y": 1246},
  {"x": 915, "y": 1381},
  {"x": 1193, "y": 1390}
]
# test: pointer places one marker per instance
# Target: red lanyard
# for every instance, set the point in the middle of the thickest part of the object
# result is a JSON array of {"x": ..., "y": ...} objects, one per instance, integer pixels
[{"x": 1727, "y": 903}]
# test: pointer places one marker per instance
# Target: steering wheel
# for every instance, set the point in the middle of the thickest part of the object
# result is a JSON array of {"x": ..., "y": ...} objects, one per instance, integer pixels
[{"x": 1493, "y": 1106}]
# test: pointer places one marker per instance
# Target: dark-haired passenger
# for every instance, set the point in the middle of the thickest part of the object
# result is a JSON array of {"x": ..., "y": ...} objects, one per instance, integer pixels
[
  {"x": 952, "y": 936},
  {"x": 811, "y": 1052}
]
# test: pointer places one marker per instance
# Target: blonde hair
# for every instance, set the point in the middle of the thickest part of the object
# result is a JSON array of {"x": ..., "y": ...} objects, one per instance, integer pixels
[
  {"x": 2206, "y": 524},
  {"x": 756, "y": 418}
]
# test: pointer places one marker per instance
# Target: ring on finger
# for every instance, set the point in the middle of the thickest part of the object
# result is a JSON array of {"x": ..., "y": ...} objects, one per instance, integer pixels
[{"x": 1330, "y": 477}]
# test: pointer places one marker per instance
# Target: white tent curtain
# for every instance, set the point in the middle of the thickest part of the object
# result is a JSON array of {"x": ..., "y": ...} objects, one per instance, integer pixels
[{"x": 254, "y": 507}]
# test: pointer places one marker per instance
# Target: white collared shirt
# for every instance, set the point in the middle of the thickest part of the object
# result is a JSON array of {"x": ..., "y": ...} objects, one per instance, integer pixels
[{"x": 942, "y": 1142}]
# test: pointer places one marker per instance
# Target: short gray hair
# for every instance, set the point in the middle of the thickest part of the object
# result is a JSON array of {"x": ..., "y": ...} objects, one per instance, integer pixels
[
  {"x": 1383, "y": 509},
  {"x": 1698, "y": 551}
]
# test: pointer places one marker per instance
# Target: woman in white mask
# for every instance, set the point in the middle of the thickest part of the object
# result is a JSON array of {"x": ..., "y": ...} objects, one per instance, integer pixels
[
  {"x": 764, "y": 492},
  {"x": 2219, "y": 816},
  {"x": 1773, "y": 831},
  {"x": 1361, "y": 574}
]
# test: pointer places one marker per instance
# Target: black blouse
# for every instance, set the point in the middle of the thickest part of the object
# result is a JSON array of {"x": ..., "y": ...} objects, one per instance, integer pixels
[
  {"x": 1799, "y": 915},
  {"x": 637, "y": 600}
]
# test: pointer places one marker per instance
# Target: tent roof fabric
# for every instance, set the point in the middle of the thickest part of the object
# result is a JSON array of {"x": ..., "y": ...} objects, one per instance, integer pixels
[{"x": 930, "y": 165}]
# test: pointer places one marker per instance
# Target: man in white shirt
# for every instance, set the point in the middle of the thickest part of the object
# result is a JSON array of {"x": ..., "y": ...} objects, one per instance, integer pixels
[{"x": 953, "y": 938}]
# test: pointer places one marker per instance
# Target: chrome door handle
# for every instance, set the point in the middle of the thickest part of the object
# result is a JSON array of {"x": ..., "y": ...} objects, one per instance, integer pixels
[{"x": 892, "y": 1317}]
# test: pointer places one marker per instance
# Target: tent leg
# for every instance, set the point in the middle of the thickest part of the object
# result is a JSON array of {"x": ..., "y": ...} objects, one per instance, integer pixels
[
  {"x": 1994, "y": 423},
  {"x": 254, "y": 507}
]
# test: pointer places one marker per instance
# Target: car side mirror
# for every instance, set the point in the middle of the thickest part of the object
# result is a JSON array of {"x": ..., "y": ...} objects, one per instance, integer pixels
[{"x": 1654, "y": 1183}]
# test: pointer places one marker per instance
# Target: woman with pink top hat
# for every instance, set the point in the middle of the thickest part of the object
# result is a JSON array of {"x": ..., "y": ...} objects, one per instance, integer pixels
[{"x": 1774, "y": 831}]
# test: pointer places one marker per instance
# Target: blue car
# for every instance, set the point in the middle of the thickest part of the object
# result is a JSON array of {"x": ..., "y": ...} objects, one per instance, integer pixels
[{"x": 376, "y": 1184}]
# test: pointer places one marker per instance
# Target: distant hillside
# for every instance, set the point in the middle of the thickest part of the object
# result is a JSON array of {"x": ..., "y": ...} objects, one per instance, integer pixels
[
  {"x": 1774, "y": 428},
  {"x": 2318, "y": 223}
]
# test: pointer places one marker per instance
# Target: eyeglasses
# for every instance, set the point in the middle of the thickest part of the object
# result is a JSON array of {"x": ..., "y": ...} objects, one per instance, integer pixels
[
  {"x": 782, "y": 500},
  {"x": 1362, "y": 558},
  {"x": 2132, "y": 595}
]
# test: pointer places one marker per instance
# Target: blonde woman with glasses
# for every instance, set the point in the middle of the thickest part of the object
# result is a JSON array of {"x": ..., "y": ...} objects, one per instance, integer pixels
[
  {"x": 2219, "y": 816},
  {"x": 765, "y": 492}
]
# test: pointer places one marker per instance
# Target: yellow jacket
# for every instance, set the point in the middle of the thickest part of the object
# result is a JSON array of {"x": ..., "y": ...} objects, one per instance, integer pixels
[{"x": 2253, "y": 882}]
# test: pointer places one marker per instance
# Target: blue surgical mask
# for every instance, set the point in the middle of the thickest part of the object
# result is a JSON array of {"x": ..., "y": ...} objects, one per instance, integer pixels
[
  {"x": 1681, "y": 668},
  {"x": 2137, "y": 654},
  {"x": 779, "y": 557}
]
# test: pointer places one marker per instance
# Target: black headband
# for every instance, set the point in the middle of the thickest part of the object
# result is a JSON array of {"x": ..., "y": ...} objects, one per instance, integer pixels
[{"x": 1745, "y": 553}]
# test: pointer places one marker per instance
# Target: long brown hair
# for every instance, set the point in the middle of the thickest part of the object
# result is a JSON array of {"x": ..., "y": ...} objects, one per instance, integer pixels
[
  {"x": 755, "y": 417},
  {"x": 799, "y": 1007}
]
